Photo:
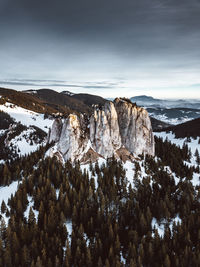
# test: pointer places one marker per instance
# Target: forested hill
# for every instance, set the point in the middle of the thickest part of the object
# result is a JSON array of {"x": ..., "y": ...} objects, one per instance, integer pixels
[
  {"x": 187, "y": 129},
  {"x": 109, "y": 213},
  {"x": 49, "y": 101},
  {"x": 89, "y": 99}
]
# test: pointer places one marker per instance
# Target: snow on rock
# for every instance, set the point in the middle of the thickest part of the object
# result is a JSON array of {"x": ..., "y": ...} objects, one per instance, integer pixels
[{"x": 26, "y": 117}]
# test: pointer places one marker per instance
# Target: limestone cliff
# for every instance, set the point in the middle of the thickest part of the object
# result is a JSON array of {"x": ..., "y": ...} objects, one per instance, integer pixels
[{"x": 118, "y": 127}]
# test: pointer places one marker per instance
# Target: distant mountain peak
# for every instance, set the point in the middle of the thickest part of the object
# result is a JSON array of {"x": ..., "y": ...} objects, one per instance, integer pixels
[{"x": 145, "y": 98}]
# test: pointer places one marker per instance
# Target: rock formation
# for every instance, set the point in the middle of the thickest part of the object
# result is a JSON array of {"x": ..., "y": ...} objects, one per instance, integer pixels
[{"x": 118, "y": 128}]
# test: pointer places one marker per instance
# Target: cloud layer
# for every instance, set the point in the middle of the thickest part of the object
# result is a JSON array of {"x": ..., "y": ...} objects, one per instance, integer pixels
[{"x": 146, "y": 45}]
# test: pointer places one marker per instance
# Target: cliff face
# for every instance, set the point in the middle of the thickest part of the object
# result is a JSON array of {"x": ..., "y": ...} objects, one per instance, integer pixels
[
  {"x": 135, "y": 128},
  {"x": 104, "y": 131},
  {"x": 118, "y": 126}
]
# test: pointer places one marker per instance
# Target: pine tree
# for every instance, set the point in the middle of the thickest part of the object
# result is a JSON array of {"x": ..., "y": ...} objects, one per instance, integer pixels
[
  {"x": 8, "y": 257},
  {"x": 132, "y": 263},
  {"x": 31, "y": 218},
  {"x": 167, "y": 261},
  {"x": 3, "y": 232},
  {"x": 38, "y": 262},
  {"x": 197, "y": 156},
  {"x": 3, "y": 207},
  {"x": 107, "y": 264},
  {"x": 15, "y": 243},
  {"x": 88, "y": 258},
  {"x": 99, "y": 264}
]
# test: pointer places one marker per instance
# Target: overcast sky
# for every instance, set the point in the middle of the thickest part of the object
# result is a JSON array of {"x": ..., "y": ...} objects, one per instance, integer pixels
[{"x": 105, "y": 47}]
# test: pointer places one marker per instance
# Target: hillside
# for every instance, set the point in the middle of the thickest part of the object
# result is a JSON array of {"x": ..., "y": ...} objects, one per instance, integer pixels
[
  {"x": 158, "y": 125},
  {"x": 90, "y": 99},
  {"x": 187, "y": 129},
  {"x": 49, "y": 101},
  {"x": 52, "y": 97},
  {"x": 24, "y": 100}
]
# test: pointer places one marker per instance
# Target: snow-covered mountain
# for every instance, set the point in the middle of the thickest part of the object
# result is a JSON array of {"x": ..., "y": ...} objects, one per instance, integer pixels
[
  {"x": 174, "y": 116},
  {"x": 170, "y": 111},
  {"x": 149, "y": 101}
]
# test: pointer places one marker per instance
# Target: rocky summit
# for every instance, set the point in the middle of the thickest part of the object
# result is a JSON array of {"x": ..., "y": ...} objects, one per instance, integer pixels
[{"x": 119, "y": 129}]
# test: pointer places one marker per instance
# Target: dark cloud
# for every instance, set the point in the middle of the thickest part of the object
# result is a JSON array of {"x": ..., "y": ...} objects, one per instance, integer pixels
[
  {"x": 98, "y": 40},
  {"x": 57, "y": 84}
]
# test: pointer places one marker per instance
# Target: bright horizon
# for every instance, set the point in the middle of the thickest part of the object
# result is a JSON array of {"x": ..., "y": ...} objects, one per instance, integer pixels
[{"x": 104, "y": 89}]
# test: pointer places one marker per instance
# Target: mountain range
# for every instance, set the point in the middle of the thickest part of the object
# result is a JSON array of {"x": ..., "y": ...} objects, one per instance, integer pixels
[{"x": 169, "y": 111}]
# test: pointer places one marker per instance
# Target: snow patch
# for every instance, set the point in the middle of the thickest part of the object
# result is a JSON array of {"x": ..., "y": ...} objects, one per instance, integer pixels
[
  {"x": 86, "y": 168},
  {"x": 5, "y": 194},
  {"x": 27, "y": 117},
  {"x": 7, "y": 191},
  {"x": 68, "y": 225},
  {"x": 23, "y": 144},
  {"x": 160, "y": 226}
]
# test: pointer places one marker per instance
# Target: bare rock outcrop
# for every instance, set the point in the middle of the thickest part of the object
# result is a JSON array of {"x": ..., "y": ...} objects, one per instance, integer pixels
[
  {"x": 117, "y": 126},
  {"x": 135, "y": 127}
]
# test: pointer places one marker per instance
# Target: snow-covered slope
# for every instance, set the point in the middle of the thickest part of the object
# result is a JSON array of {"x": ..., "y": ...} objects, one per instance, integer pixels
[
  {"x": 193, "y": 145},
  {"x": 174, "y": 116},
  {"x": 24, "y": 144},
  {"x": 27, "y": 117},
  {"x": 22, "y": 132},
  {"x": 5, "y": 194}
]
